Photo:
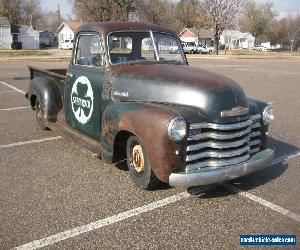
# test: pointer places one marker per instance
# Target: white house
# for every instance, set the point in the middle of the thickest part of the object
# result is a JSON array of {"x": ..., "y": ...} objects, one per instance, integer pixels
[
  {"x": 67, "y": 30},
  {"x": 26, "y": 35},
  {"x": 234, "y": 39},
  {"x": 198, "y": 36},
  {"x": 5, "y": 33}
]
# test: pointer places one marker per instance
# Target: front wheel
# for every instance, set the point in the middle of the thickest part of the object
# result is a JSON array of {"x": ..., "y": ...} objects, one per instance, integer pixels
[
  {"x": 39, "y": 114},
  {"x": 139, "y": 166}
]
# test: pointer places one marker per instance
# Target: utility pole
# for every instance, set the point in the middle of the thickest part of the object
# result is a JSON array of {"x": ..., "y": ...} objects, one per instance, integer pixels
[{"x": 58, "y": 13}]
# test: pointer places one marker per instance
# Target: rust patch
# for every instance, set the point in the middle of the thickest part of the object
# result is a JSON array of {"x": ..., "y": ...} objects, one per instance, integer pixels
[{"x": 150, "y": 126}]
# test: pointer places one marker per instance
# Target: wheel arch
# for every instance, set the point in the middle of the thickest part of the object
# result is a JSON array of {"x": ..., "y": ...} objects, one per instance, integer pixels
[{"x": 47, "y": 91}]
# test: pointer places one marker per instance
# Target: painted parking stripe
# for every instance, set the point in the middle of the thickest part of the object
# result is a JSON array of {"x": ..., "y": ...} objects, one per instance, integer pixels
[
  {"x": 263, "y": 202},
  {"x": 104, "y": 222},
  {"x": 29, "y": 142},
  {"x": 12, "y": 87},
  {"x": 16, "y": 108},
  {"x": 132, "y": 213}
]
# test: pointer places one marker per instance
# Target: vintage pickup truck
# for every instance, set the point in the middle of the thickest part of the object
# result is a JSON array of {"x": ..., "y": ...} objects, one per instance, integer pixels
[{"x": 129, "y": 93}]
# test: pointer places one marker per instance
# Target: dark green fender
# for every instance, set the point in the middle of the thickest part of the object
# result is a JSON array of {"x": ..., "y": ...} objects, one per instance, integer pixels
[{"x": 49, "y": 92}]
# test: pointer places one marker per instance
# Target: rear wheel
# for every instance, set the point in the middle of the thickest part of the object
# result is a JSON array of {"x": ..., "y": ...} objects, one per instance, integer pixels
[
  {"x": 40, "y": 116},
  {"x": 139, "y": 166}
]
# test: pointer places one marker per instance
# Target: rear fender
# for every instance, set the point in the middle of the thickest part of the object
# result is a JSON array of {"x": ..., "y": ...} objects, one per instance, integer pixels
[{"x": 47, "y": 91}]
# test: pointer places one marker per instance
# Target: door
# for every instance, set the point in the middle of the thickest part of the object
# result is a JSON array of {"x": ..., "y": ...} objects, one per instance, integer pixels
[{"x": 84, "y": 86}]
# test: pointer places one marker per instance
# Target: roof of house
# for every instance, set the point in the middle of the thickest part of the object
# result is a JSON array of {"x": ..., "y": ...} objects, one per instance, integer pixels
[
  {"x": 4, "y": 21},
  {"x": 201, "y": 33},
  {"x": 73, "y": 25},
  {"x": 24, "y": 29},
  {"x": 235, "y": 34}
]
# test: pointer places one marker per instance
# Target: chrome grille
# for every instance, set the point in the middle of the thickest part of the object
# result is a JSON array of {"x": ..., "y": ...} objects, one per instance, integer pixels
[{"x": 218, "y": 145}]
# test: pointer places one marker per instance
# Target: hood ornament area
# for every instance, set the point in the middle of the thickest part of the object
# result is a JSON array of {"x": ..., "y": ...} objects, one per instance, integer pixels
[{"x": 236, "y": 111}]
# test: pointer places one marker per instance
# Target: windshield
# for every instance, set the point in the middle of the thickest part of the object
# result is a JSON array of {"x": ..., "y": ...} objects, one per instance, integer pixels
[{"x": 135, "y": 46}]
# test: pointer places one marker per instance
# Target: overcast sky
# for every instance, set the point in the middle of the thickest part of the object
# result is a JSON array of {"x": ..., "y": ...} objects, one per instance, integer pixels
[{"x": 283, "y": 7}]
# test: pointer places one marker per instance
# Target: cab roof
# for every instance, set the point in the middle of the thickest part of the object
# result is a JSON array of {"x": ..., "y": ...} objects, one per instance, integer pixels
[{"x": 107, "y": 27}]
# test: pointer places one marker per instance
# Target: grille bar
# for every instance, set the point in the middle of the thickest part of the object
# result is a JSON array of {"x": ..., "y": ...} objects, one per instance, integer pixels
[
  {"x": 218, "y": 145},
  {"x": 218, "y": 135},
  {"x": 221, "y": 126},
  {"x": 216, "y": 163},
  {"x": 255, "y": 142},
  {"x": 218, "y": 154},
  {"x": 254, "y": 150}
]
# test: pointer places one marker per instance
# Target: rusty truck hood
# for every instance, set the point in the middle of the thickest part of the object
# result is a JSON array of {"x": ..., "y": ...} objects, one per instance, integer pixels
[{"x": 178, "y": 85}]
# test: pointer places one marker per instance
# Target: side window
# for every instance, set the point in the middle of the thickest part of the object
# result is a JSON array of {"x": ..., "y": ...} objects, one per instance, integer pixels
[
  {"x": 147, "y": 50},
  {"x": 120, "y": 48},
  {"x": 89, "y": 51}
]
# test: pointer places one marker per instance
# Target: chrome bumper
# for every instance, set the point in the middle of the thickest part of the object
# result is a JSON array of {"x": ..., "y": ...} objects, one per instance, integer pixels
[{"x": 212, "y": 175}]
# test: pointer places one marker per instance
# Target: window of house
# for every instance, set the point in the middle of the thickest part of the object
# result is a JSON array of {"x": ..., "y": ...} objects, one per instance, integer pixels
[{"x": 89, "y": 51}]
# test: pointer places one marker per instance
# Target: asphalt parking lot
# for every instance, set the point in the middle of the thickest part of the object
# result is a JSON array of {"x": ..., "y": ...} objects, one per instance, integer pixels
[{"x": 53, "y": 194}]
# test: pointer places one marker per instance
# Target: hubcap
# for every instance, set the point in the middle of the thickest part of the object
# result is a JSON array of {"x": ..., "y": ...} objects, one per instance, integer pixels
[
  {"x": 138, "y": 158},
  {"x": 39, "y": 111}
]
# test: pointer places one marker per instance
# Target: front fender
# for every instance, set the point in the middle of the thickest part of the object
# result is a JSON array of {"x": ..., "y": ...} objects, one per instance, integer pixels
[
  {"x": 50, "y": 97},
  {"x": 149, "y": 123}
]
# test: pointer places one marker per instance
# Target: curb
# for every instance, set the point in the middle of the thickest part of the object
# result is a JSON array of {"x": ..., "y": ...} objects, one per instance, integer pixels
[
  {"x": 35, "y": 58},
  {"x": 223, "y": 57}
]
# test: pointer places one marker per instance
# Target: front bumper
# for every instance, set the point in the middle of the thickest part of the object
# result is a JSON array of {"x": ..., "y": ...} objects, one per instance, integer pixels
[{"x": 212, "y": 175}]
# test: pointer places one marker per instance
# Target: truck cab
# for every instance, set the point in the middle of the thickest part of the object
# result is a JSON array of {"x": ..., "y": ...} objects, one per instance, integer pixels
[{"x": 130, "y": 94}]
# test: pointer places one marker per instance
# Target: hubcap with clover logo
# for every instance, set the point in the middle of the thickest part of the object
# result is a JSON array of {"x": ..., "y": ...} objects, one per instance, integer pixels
[{"x": 82, "y": 99}]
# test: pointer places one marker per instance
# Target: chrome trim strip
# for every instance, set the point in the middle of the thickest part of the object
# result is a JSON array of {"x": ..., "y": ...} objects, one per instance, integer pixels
[
  {"x": 218, "y": 136},
  {"x": 218, "y": 145},
  {"x": 252, "y": 143},
  {"x": 254, "y": 134},
  {"x": 215, "y": 163},
  {"x": 215, "y": 154},
  {"x": 256, "y": 125},
  {"x": 221, "y": 126},
  {"x": 254, "y": 150},
  {"x": 206, "y": 177},
  {"x": 255, "y": 117}
]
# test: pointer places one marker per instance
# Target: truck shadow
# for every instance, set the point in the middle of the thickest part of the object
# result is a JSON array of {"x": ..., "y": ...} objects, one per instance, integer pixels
[{"x": 262, "y": 177}]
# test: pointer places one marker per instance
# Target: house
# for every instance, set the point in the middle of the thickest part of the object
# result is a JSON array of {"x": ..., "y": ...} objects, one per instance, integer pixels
[
  {"x": 47, "y": 38},
  {"x": 67, "y": 30},
  {"x": 198, "y": 36},
  {"x": 5, "y": 33},
  {"x": 235, "y": 39},
  {"x": 26, "y": 36}
]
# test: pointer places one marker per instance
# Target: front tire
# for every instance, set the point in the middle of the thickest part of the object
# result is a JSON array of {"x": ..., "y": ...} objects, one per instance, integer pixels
[
  {"x": 139, "y": 166},
  {"x": 40, "y": 116}
]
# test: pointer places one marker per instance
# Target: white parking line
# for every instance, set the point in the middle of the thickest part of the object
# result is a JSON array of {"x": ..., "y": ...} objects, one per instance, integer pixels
[
  {"x": 102, "y": 223},
  {"x": 29, "y": 142},
  {"x": 149, "y": 207},
  {"x": 12, "y": 87},
  {"x": 8, "y": 109},
  {"x": 263, "y": 202}
]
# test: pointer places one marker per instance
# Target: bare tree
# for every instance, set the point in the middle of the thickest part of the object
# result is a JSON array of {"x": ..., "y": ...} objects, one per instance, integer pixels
[
  {"x": 221, "y": 15},
  {"x": 293, "y": 30},
  {"x": 103, "y": 10},
  {"x": 21, "y": 11},
  {"x": 187, "y": 12},
  {"x": 258, "y": 19}
]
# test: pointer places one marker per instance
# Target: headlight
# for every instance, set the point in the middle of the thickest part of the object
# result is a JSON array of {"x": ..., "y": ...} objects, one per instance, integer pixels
[
  {"x": 267, "y": 115},
  {"x": 177, "y": 129}
]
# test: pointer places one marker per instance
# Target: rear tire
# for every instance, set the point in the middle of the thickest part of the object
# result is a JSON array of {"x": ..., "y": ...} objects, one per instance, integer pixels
[
  {"x": 39, "y": 115},
  {"x": 139, "y": 166}
]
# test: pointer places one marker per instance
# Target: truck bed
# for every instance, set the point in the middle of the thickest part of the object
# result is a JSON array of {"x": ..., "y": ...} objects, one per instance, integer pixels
[{"x": 59, "y": 74}]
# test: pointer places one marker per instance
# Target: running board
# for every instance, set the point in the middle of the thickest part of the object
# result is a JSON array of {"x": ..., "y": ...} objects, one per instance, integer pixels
[{"x": 89, "y": 144}]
